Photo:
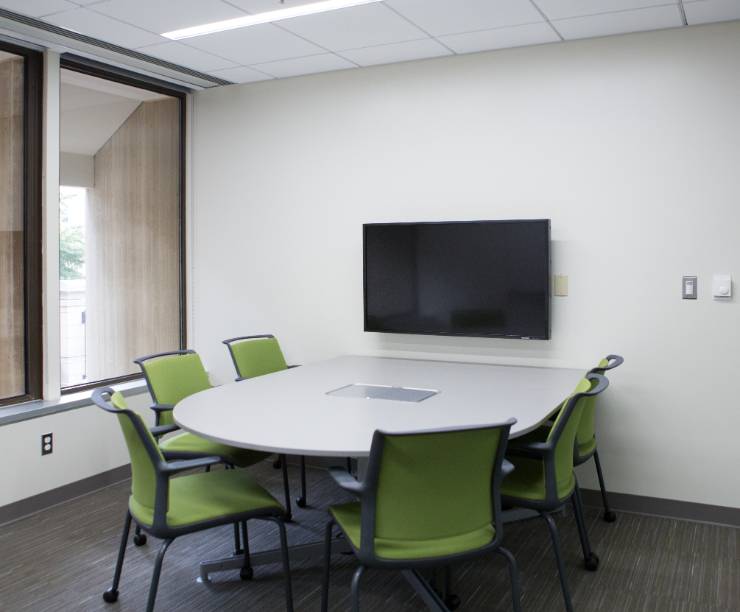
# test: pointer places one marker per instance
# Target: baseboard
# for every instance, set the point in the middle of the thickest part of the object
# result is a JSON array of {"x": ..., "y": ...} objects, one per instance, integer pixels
[
  {"x": 620, "y": 502},
  {"x": 623, "y": 502},
  {"x": 670, "y": 508},
  {"x": 31, "y": 505}
]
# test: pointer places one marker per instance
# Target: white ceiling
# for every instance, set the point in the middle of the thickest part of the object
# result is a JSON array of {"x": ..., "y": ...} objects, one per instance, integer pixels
[
  {"x": 386, "y": 32},
  {"x": 93, "y": 109}
]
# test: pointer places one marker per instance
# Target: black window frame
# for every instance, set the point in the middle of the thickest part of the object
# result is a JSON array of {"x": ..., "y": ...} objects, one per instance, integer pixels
[
  {"x": 33, "y": 121},
  {"x": 100, "y": 70}
]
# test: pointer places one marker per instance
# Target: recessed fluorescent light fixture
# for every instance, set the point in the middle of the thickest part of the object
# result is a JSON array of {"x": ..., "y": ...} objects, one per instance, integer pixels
[{"x": 267, "y": 17}]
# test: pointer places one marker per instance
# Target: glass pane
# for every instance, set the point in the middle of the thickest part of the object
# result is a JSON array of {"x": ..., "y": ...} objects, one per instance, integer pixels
[
  {"x": 72, "y": 302},
  {"x": 120, "y": 227},
  {"x": 12, "y": 302}
]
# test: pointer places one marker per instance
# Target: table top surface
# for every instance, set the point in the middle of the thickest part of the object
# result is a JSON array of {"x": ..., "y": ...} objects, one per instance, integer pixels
[{"x": 290, "y": 412}]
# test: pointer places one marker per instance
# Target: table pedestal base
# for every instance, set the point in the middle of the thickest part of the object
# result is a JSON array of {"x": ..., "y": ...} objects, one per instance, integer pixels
[{"x": 314, "y": 551}]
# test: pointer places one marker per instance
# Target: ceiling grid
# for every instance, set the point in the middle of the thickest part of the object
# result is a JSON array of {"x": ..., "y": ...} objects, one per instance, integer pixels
[{"x": 367, "y": 34}]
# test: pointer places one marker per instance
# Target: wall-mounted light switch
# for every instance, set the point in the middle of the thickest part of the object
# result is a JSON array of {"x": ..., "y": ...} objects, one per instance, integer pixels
[
  {"x": 560, "y": 285},
  {"x": 688, "y": 288}
]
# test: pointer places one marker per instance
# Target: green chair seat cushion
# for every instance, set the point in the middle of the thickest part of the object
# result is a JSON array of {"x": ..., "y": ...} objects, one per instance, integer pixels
[
  {"x": 192, "y": 446},
  {"x": 347, "y": 517},
  {"x": 209, "y": 496},
  {"x": 527, "y": 481}
]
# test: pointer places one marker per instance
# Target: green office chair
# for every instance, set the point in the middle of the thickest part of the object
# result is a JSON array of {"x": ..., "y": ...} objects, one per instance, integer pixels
[
  {"x": 585, "y": 446},
  {"x": 429, "y": 499},
  {"x": 168, "y": 507},
  {"x": 256, "y": 356},
  {"x": 170, "y": 378},
  {"x": 544, "y": 480}
]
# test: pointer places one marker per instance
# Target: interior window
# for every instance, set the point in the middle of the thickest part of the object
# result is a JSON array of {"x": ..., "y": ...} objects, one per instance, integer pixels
[{"x": 120, "y": 227}]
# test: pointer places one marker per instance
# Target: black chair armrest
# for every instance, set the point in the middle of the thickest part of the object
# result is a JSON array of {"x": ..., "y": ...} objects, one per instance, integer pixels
[
  {"x": 345, "y": 480},
  {"x": 172, "y": 467},
  {"x": 161, "y": 430},
  {"x": 535, "y": 450},
  {"x": 162, "y": 407},
  {"x": 507, "y": 467}
]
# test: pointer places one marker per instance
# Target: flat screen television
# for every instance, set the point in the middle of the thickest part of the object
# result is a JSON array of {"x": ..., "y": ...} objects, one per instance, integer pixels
[{"x": 461, "y": 278}]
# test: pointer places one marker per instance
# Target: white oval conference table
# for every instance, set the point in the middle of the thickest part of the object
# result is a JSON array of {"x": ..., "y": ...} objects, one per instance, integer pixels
[
  {"x": 292, "y": 412},
  {"x": 289, "y": 412}
]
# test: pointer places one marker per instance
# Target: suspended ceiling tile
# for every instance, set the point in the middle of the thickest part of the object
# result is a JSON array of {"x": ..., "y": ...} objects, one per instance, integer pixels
[
  {"x": 709, "y": 11},
  {"x": 352, "y": 28},
  {"x": 241, "y": 74},
  {"x": 36, "y": 8},
  {"x": 500, "y": 38},
  {"x": 623, "y": 22},
  {"x": 160, "y": 16},
  {"x": 179, "y": 53},
  {"x": 99, "y": 26},
  {"x": 324, "y": 62},
  {"x": 562, "y": 9},
  {"x": 397, "y": 52},
  {"x": 438, "y": 17},
  {"x": 255, "y": 45}
]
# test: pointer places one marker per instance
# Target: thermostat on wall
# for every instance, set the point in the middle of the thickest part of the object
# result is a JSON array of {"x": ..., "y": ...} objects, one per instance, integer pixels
[{"x": 721, "y": 286}]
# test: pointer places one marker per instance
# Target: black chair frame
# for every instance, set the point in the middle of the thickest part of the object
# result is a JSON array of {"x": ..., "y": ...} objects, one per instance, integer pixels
[
  {"x": 367, "y": 493},
  {"x": 159, "y": 527}
]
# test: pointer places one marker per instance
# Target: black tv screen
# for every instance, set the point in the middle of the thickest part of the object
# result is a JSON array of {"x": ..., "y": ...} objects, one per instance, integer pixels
[{"x": 471, "y": 278}]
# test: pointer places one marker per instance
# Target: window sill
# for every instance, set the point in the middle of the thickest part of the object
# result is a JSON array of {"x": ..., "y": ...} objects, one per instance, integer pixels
[{"x": 39, "y": 408}]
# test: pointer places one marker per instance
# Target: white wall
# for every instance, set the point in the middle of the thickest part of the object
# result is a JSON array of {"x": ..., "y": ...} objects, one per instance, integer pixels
[
  {"x": 631, "y": 145},
  {"x": 87, "y": 441}
]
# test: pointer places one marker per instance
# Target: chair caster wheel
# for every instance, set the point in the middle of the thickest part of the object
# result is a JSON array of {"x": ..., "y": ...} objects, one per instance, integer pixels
[
  {"x": 110, "y": 596},
  {"x": 610, "y": 516},
  {"x": 139, "y": 539},
  {"x": 301, "y": 502},
  {"x": 246, "y": 573},
  {"x": 591, "y": 562},
  {"x": 452, "y": 602}
]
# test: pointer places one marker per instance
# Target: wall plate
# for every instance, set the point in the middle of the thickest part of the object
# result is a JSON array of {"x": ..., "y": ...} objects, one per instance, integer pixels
[
  {"x": 689, "y": 287},
  {"x": 721, "y": 286}
]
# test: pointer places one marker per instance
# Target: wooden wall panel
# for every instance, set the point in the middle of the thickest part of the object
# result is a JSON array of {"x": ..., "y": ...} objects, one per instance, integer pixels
[
  {"x": 133, "y": 242},
  {"x": 12, "y": 368}
]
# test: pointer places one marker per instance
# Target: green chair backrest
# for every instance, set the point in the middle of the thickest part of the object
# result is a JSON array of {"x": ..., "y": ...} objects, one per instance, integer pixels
[
  {"x": 143, "y": 473},
  {"x": 587, "y": 426},
  {"x": 256, "y": 357},
  {"x": 173, "y": 377},
  {"x": 563, "y": 434},
  {"x": 437, "y": 484}
]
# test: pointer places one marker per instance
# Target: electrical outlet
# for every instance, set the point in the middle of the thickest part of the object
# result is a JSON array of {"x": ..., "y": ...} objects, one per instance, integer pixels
[{"x": 47, "y": 444}]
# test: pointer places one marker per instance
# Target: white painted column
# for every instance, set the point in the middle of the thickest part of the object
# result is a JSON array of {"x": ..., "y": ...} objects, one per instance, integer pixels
[{"x": 50, "y": 222}]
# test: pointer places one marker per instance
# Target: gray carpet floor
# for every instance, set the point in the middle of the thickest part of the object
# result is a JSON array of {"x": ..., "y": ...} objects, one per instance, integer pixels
[{"x": 62, "y": 559}]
